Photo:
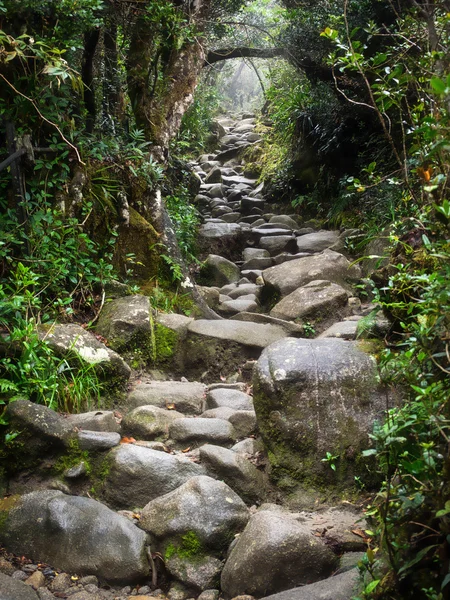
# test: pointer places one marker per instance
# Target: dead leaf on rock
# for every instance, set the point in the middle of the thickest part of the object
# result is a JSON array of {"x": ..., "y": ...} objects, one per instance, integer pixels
[{"x": 127, "y": 440}]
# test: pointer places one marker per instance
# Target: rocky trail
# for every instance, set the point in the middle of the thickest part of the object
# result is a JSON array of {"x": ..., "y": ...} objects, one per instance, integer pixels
[{"x": 221, "y": 469}]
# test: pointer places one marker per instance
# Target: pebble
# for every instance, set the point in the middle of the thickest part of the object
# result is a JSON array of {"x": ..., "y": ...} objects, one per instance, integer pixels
[{"x": 36, "y": 580}]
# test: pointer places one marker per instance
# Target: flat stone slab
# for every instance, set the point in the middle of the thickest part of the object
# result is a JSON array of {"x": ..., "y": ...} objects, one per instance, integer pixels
[
  {"x": 258, "y": 335},
  {"x": 242, "y": 304},
  {"x": 185, "y": 396},
  {"x": 201, "y": 430},
  {"x": 291, "y": 329},
  {"x": 219, "y": 230},
  {"x": 98, "y": 440},
  {"x": 344, "y": 329},
  {"x": 317, "y": 241}
]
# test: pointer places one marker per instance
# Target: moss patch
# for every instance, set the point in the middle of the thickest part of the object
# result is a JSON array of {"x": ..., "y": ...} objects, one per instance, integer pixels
[
  {"x": 72, "y": 458},
  {"x": 190, "y": 547}
]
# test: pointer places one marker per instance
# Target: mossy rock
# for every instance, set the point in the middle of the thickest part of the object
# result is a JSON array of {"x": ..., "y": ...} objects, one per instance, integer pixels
[{"x": 316, "y": 402}]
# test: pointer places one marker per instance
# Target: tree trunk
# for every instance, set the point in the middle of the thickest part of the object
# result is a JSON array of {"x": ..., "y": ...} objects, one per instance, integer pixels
[{"x": 87, "y": 75}]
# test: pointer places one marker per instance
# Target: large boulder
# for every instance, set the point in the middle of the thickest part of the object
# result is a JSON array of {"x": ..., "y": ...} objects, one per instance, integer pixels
[
  {"x": 126, "y": 323},
  {"x": 135, "y": 475},
  {"x": 13, "y": 589},
  {"x": 42, "y": 431},
  {"x": 72, "y": 341},
  {"x": 219, "y": 348},
  {"x": 74, "y": 534},
  {"x": 313, "y": 399},
  {"x": 202, "y": 515},
  {"x": 275, "y": 553},
  {"x": 340, "y": 587},
  {"x": 315, "y": 299},
  {"x": 329, "y": 265}
]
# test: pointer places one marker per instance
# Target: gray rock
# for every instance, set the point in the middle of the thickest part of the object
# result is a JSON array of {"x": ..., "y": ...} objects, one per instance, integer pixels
[
  {"x": 125, "y": 322},
  {"x": 276, "y": 244},
  {"x": 258, "y": 335},
  {"x": 248, "y": 205},
  {"x": 200, "y": 572},
  {"x": 233, "y": 468},
  {"x": 96, "y": 420},
  {"x": 291, "y": 329},
  {"x": 343, "y": 329},
  {"x": 200, "y": 431},
  {"x": 316, "y": 298},
  {"x": 285, "y": 257},
  {"x": 43, "y": 427},
  {"x": 185, "y": 396},
  {"x": 234, "y": 399},
  {"x": 317, "y": 241},
  {"x": 12, "y": 589},
  {"x": 246, "y": 446},
  {"x": 210, "y": 295},
  {"x": 328, "y": 265},
  {"x": 209, "y": 595},
  {"x": 270, "y": 230},
  {"x": 149, "y": 422},
  {"x": 78, "y": 471},
  {"x": 61, "y": 582},
  {"x": 349, "y": 561},
  {"x": 232, "y": 217},
  {"x": 274, "y": 553},
  {"x": 202, "y": 506},
  {"x": 219, "y": 271},
  {"x": 45, "y": 594},
  {"x": 213, "y": 190},
  {"x": 312, "y": 397},
  {"x": 244, "y": 422},
  {"x": 244, "y": 127},
  {"x": 339, "y": 587},
  {"x": 137, "y": 475},
  {"x": 258, "y": 262},
  {"x": 252, "y": 274},
  {"x": 244, "y": 290},
  {"x": 214, "y": 175},
  {"x": 178, "y": 591},
  {"x": 249, "y": 253},
  {"x": 72, "y": 339},
  {"x": 336, "y": 526},
  {"x": 284, "y": 220},
  {"x": 98, "y": 440},
  {"x": 242, "y": 304},
  {"x": 221, "y": 412},
  {"x": 219, "y": 230},
  {"x": 65, "y": 532}
]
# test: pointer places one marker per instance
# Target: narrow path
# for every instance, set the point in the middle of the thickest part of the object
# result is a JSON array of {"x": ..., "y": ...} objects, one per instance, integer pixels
[{"x": 191, "y": 470}]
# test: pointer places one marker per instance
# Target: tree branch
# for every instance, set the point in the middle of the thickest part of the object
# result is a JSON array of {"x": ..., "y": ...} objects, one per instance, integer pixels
[{"x": 214, "y": 56}]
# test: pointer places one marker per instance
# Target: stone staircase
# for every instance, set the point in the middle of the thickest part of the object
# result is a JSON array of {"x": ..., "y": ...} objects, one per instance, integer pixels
[{"x": 194, "y": 487}]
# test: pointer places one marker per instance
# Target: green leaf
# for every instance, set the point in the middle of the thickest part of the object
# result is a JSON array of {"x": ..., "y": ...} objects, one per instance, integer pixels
[
  {"x": 438, "y": 85},
  {"x": 446, "y": 581},
  {"x": 416, "y": 559},
  {"x": 372, "y": 585}
]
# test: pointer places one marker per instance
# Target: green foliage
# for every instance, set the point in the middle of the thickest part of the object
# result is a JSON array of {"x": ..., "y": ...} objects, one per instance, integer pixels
[
  {"x": 186, "y": 220},
  {"x": 196, "y": 126}
]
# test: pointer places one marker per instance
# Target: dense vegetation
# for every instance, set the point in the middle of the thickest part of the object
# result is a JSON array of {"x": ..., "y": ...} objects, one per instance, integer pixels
[{"x": 357, "y": 123}]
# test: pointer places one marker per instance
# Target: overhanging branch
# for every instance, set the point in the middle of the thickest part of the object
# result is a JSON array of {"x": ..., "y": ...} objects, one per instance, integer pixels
[{"x": 214, "y": 56}]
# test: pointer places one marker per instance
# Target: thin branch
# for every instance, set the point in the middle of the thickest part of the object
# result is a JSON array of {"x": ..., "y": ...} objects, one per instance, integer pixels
[{"x": 44, "y": 118}]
